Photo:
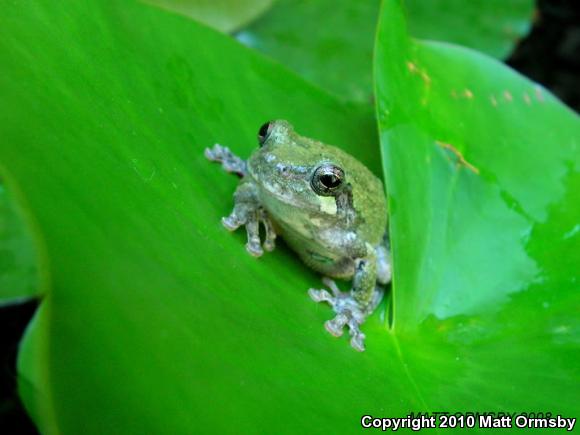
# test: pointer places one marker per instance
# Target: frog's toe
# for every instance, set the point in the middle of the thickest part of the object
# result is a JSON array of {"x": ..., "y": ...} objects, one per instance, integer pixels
[
  {"x": 231, "y": 223},
  {"x": 254, "y": 248},
  {"x": 335, "y": 326},
  {"x": 270, "y": 239},
  {"x": 213, "y": 153},
  {"x": 357, "y": 338},
  {"x": 269, "y": 245},
  {"x": 320, "y": 295},
  {"x": 332, "y": 286}
]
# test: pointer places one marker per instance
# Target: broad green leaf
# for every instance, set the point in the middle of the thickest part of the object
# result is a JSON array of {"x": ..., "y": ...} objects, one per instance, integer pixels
[
  {"x": 18, "y": 262},
  {"x": 493, "y": 27},
  {"x": 223, "y": 15},
  {"x": 483, "y": 171},
  {"x": 157, "y": 321},
  {"x": 330, "y": 42}
]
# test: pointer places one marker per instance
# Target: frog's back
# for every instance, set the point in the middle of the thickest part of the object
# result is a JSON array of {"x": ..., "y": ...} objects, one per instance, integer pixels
[{"x": 322, "y": 245}]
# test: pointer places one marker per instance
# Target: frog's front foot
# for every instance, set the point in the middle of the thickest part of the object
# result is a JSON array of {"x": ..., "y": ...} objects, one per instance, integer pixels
[
  {"x": 230, "y": 162},
  {"x": 249, "y": 213},
  {"x": 348, "y": 311},
  {"x": 252, "y": 219}
]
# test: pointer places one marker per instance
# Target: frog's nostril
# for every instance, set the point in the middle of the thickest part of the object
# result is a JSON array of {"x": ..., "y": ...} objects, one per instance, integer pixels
[{"x": 283, "y": 170}]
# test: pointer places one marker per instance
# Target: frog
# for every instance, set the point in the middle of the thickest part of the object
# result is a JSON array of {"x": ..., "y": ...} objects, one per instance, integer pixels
[{"x": 326, "y": 205}]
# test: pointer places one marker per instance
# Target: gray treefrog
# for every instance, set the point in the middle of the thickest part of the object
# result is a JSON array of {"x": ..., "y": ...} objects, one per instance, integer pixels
[{"x": 327, "y": 206}]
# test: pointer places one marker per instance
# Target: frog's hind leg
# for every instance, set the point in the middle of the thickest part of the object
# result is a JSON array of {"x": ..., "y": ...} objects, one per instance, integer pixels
[
  {"x": 348, "y": 311},
  {"x": 384, "y": 267},
  {"x": 230, "y": 162},
  {"x": 247, "y": 211},
  {"x": 352, "y": 308}
]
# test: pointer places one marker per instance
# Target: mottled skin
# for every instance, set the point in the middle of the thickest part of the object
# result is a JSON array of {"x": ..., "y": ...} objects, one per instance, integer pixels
[{"x": 327, "y": 206}]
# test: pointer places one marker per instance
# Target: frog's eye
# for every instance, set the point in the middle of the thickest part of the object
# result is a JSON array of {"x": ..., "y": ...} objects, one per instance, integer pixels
[
  {"x": 264, "y": 132},
  {"x": 327, "y": 179}
]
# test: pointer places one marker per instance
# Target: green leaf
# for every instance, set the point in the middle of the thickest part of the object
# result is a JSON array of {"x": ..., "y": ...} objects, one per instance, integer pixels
[
  {"x": 157, "y": 320},
  {"x": 493, "y": 27},
  {"x": 330, "y": 42},
  {"x": 223, "y": 15},
  {"x": 19, "y": 278},
  {"x": 482, "y": 168}
]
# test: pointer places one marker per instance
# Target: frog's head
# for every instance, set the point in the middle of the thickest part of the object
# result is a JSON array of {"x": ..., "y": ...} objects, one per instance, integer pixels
[{"x": 295, "y": 171}]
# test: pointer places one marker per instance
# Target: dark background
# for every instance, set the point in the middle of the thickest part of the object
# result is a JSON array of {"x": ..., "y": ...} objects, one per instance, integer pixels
[{"x": 550, "y": 55}]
